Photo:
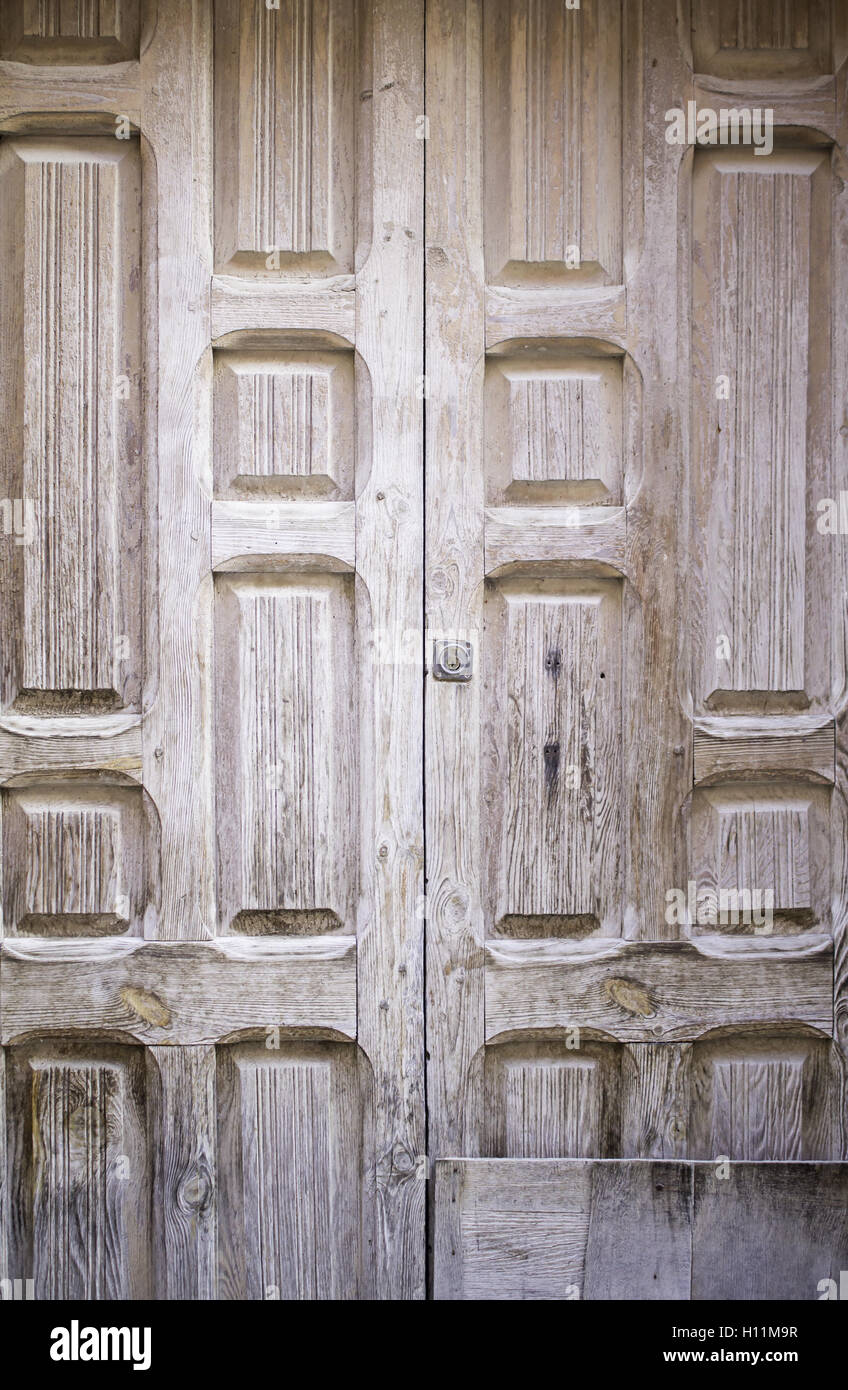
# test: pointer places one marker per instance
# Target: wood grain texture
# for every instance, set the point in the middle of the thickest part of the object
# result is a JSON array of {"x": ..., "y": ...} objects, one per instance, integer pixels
[
  {"x": 761, "y": 851},
  {"x": 110, "y": 744},
  {"x": 182, "y": 1087},
  {"x": 639, "y": 1245},
  {"x": 285, "y": 752},
  {"x": 76, "y": 92},
  {"x": 389, "y": 545},
  {"x": 79, "y": 32},
  {"x": 72, "y": 626},
  {"x": 728, "y": 746},
  {"x": 655, "y": 1100},
  {"x": 839, "y": 821},
  {"x": 551, "y": 673},
  {"x": 737, "y": 39},
  {"x": 667, "y": 991},
  {"x": 553, "y": 428},
  {"x": 807, "y": 103},
  {"x": 454, "y": 576},
  {"x": 547, "y": 1100},
  {"x": 770, "y": 1230},
  {"x": 81, "y": 1182},
  {"x": 559, "y": 1229},
  {"x": 760, "y": 225},
  {"x": 763, "y": 1099},
  {"x": 290, "y": 1136},
  {"x": 286, "y": 111},
  {"x": 657, "y": 735},
  {"x": 554, "y": 1229},
  {"x": 591, "y": 539},
  {"x": 257, "y": 306},
  {"x": 551, "y": 126},
  {"x": 176, "y": 117},
  {"x": 286, "y": 530},
  {"x": 179, "y": 994},
  {"x": 228, "y": 782},
  {"x": 5, "y": 1234},
  {"x": 597, "y": 313},
  {"x": 284, "y": 424},
  {"x": 79, "y": 860}
]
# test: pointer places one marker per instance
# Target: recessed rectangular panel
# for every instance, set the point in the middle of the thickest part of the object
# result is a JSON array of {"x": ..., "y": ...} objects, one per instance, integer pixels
[
  {"x": 60, "y": 32},
  {"x": 760, "y": 858},
  {"x": 553, "y": 428},
  {"x": 761, "y": 1098},
  {"x": 552, "y": 676},
  {"x": 80, "y": 1190},
  {"x": 553, "y": 1100},
  {"x": 760, "y": 315},
  {"x": 552, "y": 138},
  {"x": 286, "y": 111},
  {"x": 284, "y": 424},
  {"x": 287, "y": 764},
  {"x": 290, "y": 1163},
  {"x": 71, "y": 462},
  {"x": 762, "y": 38},
  {"x": 76, "y": 860}
]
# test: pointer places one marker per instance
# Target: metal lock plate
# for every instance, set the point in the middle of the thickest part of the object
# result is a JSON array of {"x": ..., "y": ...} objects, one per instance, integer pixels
[{"x": 452, "y": 659}]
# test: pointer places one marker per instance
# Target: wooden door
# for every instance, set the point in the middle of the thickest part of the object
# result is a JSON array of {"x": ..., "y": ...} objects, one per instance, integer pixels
[
  {"x": 635, "y": 358},
  {"x": 218, "y": 754},
  {"x": 211, "y": 763}
]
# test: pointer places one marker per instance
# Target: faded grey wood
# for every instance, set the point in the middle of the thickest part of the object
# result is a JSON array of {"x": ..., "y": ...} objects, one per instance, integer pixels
[
  {"x": 243, "y": 917},
  {"x": 668, "y": 991},
  {"x": 293, "y": 1221},
  {"x": 257, "y": 931},
  {"x": 639, "y": 1243},
  {"x": 454, "y": 714},
  {"x": 655, "y": 1100},
  {"x": 79, "y": 1170},
  {"x": 769, "y": 1230},
  {"x": 185, "y": 1178},
  {"x": 180, "y": 994},
  {"x": 705, "y": 1033},
  {"x": 557, "y": 1230}
]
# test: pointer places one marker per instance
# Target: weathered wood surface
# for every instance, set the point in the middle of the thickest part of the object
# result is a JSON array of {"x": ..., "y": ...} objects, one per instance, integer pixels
[
  {"x": 593, "y": 537},
  {"x": 284, "y": 529},
  {"x": 688, "y": 733},
  {"x": 179, "y": 994},
  {"x": 454, "y": 576},
  {"x": 290, "y": 1164},
  {"x": 769, "y": 1230},
  {"x": 249, "y": 307},
  {"x": 568, "y": 1230},
  {"x": 211, "y": 762},
  {"x": 185, "y": 1177},
  {"x": 764, "y": 748},
  {"x": 389, "y": 542},
  {"x": 643, "y": 991}
]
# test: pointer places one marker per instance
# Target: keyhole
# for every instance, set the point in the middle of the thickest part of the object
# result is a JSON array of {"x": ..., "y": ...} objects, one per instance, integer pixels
[{"x": 452, "y": 659}]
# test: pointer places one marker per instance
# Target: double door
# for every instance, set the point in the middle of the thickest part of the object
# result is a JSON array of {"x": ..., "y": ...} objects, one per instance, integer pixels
[{"x": 422, "y": 650}]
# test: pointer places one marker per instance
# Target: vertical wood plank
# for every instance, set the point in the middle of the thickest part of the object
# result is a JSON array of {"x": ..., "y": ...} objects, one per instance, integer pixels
[
  {"x": 454, "y": 574},
  {"x": 176, "y": 72},
  {"x": 654, "y": 1100},
  {"x": 4, "y": 1173},
  {"x": 657, "y": 733},
  {"x": 185, "y": 1205},
  {"x": 839, "y": 611},
  {"x": 639, "y": 1242},
  {"x": 769, "y": 1230},
  {"x": 389, "y": 560}
]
